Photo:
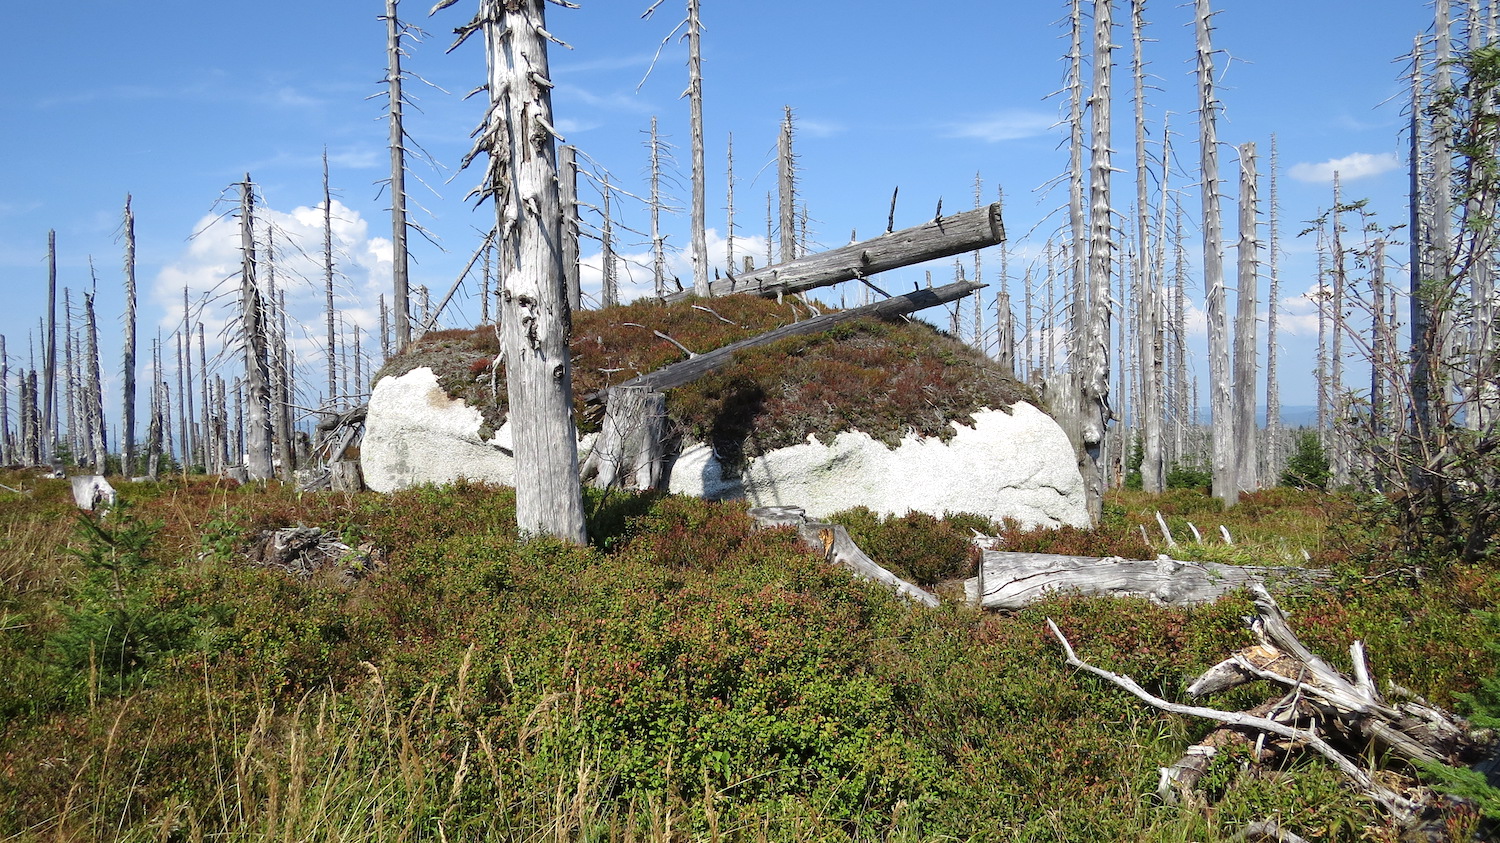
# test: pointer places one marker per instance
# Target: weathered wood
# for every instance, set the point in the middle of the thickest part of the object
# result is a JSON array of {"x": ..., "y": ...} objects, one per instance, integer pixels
[
  {"x": 631, "y": 444},
  {"x": 686, "y": 371},
  {"x": 833, "y": 541},
  {"x": 1015, "y": 580},
  {"x": 940, "y": 238},
  {"x": 90, "y": 491}
]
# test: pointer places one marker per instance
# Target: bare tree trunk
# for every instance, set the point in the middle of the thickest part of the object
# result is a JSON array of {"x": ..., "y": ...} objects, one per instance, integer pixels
[
  {"x": 401, "y": 301},
  {"x": 7, "y": 455},
  {"x": 328, "y": 307},
  {"x": 281, "y": 392},
  {"x": 1221, "y": 404},
  {"x": 70, "y": 381},
  {"x": 1380, "y": 363},
  {"x": 1339, "y": 453},
  {"x": 205, "y": 434},
  {"x": 48, "y": 435},
  {"x": 609, "y": 291},
  {"x": 190, "y": 441},
  {"x": 695, "y": 100},
  {"x": 1148, "y": 307},
  {"x": 1095, "y": 392},
  {"x": 253, "y": 330},
  {"x": 94, "y": 391},
  {"x": 658, "y": 241},
  {"x": 729, "y": 205},
  {"x": 522, "y": 180},
  {"x": 385, "y": 326},
  {"x": 1247, "y": 469},
  {"x": 567, "y": 186},
  {"x": 786, "y": 169},
  {"x": 127, "y": 445},
  {"x": 1273, "y": 307}
]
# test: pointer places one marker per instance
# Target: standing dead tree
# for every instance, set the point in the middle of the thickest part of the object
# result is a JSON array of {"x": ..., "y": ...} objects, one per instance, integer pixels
[
  {"x": 1245, "y": 432},
  {"x": 1221, "y": 402},
  {"x": 521, "y": 178},
  {"x": 254, "y": 330}
]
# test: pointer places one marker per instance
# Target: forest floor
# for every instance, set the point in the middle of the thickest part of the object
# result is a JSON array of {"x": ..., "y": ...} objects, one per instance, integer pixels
[{"x": 686, "y": 676}]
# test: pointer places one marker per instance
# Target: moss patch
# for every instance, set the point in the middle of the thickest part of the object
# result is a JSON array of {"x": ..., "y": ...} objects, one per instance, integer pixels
[{"x": 887, "y": 379}]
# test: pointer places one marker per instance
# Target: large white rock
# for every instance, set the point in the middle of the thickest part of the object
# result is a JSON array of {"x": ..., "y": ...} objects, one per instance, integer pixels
[
  {"x": 1015, "y": 464},
  {"x": 415, "y": 434}
]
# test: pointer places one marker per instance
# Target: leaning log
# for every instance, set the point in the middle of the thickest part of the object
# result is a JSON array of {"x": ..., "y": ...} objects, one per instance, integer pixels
[
  {"x": 630, "y": 447},
  {"x": 686, "y": 371},
  {"x": 940, "y": 238},
  {"x": 1012, "y": 581},
  {"x": 833, "y": 541}
]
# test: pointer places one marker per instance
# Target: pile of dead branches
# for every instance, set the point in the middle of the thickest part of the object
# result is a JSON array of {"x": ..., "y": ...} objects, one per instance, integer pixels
[
  {"x": 306, "y": 551},
  {"x": 1345, "y": 719}
]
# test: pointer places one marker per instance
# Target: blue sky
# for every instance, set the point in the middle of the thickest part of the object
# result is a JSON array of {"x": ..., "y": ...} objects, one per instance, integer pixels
[{"x": 173, "y": 102}]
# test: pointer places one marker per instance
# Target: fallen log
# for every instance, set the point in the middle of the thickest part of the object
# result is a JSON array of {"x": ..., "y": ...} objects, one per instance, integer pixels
[
  {"x": 833, "y": 541},
  {"x": 940, "y": 238},
  {"x": 632, "y": 435},
  {"x": 1011, "y": 581},
  {"x": 90, "y": 491}
]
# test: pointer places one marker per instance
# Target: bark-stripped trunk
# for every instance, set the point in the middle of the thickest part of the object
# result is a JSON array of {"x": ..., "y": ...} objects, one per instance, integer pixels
[
  {"x": 658, "y": 241},
  {"x": 609, "y": 289},
  {"x": 253, "y": 330},
  {"x": 1273, "y": 307},
  {"x": 401, "y": 301},
  {"x": 7, "y": 456},
  {"x": 535, "y": 321},
  {"x": 729, "y": 205},
  {"x": 1095, "y": 359},
  {"x": 328, "y": 308},
  {"x": 1380, "y": 363},
  {"x": 1337, "y": 401},
  {"x": 1221, "y": 405},
  {"x": 695, "y": 102},
  {"x": 786, "y": 181},
  {"x": 1148, "y": 303},
  {"x": 47, "y": 437},
  {"x": 127, "y": 444},
  {"x": 567, "y": 188},
  {"x": 70, "y": 381},
  {"x": 93, "y": 392},
  {"x": 1248, "y": 466}
]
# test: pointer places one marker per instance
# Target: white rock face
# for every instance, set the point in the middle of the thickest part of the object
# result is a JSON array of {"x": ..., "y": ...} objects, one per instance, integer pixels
[
  {"x": 1017, "y": 465},
  {"x": 416, "y": 434}
]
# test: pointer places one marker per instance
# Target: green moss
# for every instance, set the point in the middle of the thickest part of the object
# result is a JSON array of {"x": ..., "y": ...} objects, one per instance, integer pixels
[{"x": 888, "y": 379}]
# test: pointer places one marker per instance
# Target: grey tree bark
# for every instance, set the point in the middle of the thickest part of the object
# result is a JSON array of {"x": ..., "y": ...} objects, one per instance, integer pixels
[
  {"x": 567, "y": 187},
  {"x": 1095, "y": 391},
  {"x": 786, "y": 182},
  {"x": 328, "y": 306},
  {"x": 1245, "y": 430},
  {"x": 93, "y": 392},
  {"x": 695, "y": 101},
  {"x": 1148, "y": 304},
  {"x": 401, "y": 301},
  {"x": 1221, "y": 405},
  {"x": 7, "y": 456},
  {"x": 253, "y": 331},
  {"x": 1273, "y": 307},
  {"x": 521, "y": 178},
  {"x": 127, "y": 445},
  {"x": 47, "y": 437}
]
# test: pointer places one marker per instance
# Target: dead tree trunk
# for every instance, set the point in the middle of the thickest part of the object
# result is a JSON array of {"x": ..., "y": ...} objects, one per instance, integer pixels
[
  {"x": 48, "y": 436},
  {"x": 1221, "y": 403},
  {"x": 253, "y": 330},
  {"x": 1273, "y": 306},
  {"x": 1245, "y": 432},
  {"x": 399, "y": 261},
  {"x": 658, "y": 240},
  {"x": 328, "y": 307},
  {"x": 786, "y": 182},
  {"x": 1095, "y": 359},
  {"x": 93, "y": 393},
  {"x": 7, "y": 455},
  {"x": 695, "y": 102},
  {"x": 127, "y": 444},
  {"x": 535, "y": 321},
  {"x": 567, "y": 188},
  {"x": 941, "y": 238},
  {"x": 1150, "y": 408}
]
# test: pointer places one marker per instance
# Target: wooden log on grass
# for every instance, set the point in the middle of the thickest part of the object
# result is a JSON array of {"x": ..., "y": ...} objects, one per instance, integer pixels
[
  {"x": 833, "y": 541},
  {"x": 1014, "y": 580},
  {"x": 940, "y": 238}
]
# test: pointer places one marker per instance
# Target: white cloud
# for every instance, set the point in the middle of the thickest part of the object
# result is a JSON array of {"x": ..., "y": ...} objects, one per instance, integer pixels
[
  {"x": 1359, "y": 165},
  {"x": 209, "y": 270},
  {"x": 1003, "y": 126}
]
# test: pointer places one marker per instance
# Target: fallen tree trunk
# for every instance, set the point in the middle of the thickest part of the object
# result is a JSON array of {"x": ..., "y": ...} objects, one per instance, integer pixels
[
  {"x": 941, "y": 238},
  {"x": 1012, "y": 581},
  {"x": 686, "y": 371},
  {"x": 631, "y": 445},
  {"x": 833, "y": 541}
]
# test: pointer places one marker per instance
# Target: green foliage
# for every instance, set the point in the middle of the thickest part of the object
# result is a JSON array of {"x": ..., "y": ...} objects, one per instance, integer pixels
[
  {"x": 1188, "y": 476},
  {"x": 1307, "y": 467},
  {"x": 916, "y": 546},
  {"x": 114, "y": 626}
]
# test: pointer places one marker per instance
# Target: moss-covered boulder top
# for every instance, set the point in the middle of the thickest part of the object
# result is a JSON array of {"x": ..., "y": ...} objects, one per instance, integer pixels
[{"x": 884, "y": 378}]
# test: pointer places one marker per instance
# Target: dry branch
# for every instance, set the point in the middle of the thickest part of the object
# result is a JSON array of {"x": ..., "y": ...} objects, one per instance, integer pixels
[{"x": 833, "y": 541}]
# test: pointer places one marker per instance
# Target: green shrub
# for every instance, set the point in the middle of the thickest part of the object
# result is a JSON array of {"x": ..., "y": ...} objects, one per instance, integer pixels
[{"x": 1307, "y": 467}]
